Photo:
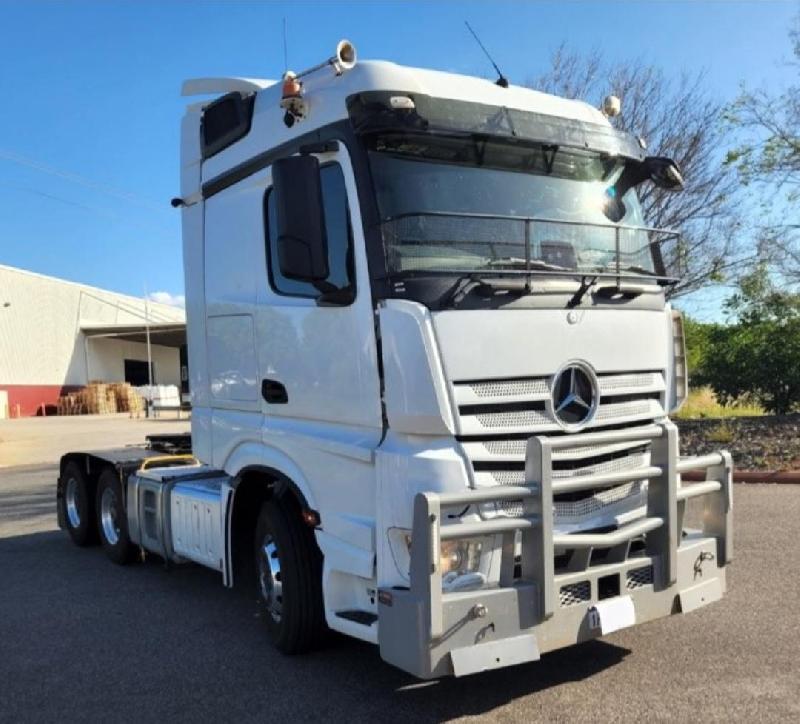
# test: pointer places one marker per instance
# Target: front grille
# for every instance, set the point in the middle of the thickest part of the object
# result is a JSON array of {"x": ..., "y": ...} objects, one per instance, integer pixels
[
  {"x": 516, "y": 418},
  {"x": 639, "y": 577},
  {"x": 596, "y": 500},
  {"x": 575, "y": 593},
  {"x": 510, "y": 388},
  {"x": 497, "y": 417},
  {"x": 589, "y": 505}
]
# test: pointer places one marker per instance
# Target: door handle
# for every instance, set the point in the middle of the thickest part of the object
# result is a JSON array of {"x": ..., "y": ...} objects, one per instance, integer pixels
[{"x": 274, "y": 392}]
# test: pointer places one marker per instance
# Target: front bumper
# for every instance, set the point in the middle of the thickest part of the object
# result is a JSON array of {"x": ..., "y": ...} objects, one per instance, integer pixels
[{"x": 536, "y": 609}]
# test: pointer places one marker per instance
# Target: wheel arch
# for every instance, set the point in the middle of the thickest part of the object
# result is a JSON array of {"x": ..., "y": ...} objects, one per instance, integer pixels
[
  {"x": 251, "y": 456},
  {"x": 251, "y": 486}
]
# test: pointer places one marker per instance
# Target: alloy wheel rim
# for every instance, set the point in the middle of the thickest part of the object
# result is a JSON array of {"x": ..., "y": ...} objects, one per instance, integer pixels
[
  {"x": 71, "y": 498},
  {"x": 108, "y": 516},
  {"x": 269, "y": 577}
]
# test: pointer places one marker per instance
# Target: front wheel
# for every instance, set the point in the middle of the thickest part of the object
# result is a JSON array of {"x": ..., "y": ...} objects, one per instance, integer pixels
[
  {"x": 112, "y": 523},
  {"x": 289, "y": 579}
]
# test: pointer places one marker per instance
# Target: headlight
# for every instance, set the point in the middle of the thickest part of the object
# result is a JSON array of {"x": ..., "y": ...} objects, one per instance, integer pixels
[
  {"x": 464, "y": 563},
  {"x": 461, "y": 556},
  {"x": 460, "y": 563}
]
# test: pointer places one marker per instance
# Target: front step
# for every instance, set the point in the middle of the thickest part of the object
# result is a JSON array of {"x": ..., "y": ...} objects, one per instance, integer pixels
[{"x": 365, "y": 618}]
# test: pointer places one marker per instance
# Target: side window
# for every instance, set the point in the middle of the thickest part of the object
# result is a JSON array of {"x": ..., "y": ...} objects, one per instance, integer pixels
[{"x": 337, "y": 227}]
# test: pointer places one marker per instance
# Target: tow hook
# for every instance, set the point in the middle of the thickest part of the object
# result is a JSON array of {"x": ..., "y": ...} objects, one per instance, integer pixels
[
  {"x": 479, "y": 610},
  {"x": 698, "y": 564}
]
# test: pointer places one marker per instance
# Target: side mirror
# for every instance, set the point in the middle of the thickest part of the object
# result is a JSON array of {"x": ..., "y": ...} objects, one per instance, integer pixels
[
  {"x": 302, "y": 240},
  {"x": 664, "y": 173}
]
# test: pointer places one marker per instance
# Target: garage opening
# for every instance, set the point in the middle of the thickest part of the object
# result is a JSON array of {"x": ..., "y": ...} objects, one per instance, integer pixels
[{"x": 136, "y": 372}]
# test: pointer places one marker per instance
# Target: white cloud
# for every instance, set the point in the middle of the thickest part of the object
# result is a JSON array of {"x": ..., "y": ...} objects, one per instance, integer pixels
[{"x": 173, "y": 300}]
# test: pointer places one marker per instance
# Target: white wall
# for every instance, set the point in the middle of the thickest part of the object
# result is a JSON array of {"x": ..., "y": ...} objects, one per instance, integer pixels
[
  {"x": 40, "y": 339},
  {"x": 107, "y": 360}
]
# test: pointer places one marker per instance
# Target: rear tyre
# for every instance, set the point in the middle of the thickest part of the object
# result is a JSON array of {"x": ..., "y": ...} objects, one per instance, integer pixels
[
  {"x": 289, "y": 579},
  {"x": 112, "y": 522},
  {"x": 77, "y": 506}
]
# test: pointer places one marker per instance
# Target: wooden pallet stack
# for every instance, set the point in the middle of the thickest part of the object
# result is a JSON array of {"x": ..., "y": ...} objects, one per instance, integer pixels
[
  {"x": 127, "y": 399},
  {"x": 70, "y": 404},
  {"x": 100, "y": 398}
]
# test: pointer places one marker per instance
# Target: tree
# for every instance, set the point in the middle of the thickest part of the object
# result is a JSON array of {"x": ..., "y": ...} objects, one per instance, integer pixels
[
  {"x": 759, "y": 353},
  {"x": 769, "y": 157},
  {"x": 698, "y": 348},
  {"x": 677, "y": 118}
]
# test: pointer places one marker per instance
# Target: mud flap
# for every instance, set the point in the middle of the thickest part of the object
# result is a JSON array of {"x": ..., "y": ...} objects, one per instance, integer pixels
[{"x": 494, "y": 654}]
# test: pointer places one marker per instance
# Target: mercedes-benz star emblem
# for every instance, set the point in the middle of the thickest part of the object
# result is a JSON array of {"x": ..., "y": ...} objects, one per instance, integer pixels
[{"x": 574, "y": 396}]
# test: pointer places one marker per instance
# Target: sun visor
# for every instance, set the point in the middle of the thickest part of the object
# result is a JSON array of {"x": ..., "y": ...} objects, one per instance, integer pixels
[{"x": 376, "y": 111}]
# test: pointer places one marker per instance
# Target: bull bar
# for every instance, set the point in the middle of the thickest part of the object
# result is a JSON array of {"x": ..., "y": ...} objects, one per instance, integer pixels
[{"x": 517, "y": 620}]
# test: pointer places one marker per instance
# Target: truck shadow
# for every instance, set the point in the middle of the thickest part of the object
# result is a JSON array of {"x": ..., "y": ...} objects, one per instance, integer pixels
[{"x": 198, "y": 648}]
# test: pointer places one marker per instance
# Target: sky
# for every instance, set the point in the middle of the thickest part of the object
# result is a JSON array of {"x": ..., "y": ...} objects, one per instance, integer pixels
[{"x": 91, "y": 106}]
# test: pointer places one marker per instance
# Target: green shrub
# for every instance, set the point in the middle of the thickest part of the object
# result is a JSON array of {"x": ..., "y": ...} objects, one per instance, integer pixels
[
  {"x": 703, "y": 403},
  {"x": 722, "y": 434}
]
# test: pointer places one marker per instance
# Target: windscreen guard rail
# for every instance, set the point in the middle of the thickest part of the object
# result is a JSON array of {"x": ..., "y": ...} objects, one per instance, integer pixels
[
  {"x": 662, "y": 525},
  {"x": 490, "y": 233}
]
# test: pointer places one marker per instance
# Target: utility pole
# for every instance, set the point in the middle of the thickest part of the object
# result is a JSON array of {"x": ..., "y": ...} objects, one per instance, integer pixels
[{"x": 149, "y": 352}]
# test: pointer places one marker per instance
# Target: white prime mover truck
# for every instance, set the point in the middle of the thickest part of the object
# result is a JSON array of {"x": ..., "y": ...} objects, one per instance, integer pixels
[{"x": 431, "y": 361}]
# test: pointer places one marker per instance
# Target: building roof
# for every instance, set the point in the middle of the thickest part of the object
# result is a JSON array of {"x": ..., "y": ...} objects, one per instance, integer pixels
[{"x": 135, "y": 306}]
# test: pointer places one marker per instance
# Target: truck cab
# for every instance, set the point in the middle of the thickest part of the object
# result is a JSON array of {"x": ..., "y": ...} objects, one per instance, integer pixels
[{"x": 429, "y": 335}]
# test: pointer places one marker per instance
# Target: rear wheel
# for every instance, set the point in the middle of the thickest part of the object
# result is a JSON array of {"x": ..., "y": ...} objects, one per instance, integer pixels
[
  {"x": 112, "y": 523},
  {"x": 77, "y": 506},
  {"x": 289, "y": 579}
]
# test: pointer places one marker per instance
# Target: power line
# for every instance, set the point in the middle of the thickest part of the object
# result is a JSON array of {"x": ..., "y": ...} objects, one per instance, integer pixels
[
  {"x": 80, "y": 180},
  {"x": 150, "y": 227}
]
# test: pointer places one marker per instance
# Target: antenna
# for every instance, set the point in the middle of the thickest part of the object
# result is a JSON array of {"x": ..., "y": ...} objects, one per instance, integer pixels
[
  {"x": 285, "y": 50},
  {"x": 502, "y": 81}
]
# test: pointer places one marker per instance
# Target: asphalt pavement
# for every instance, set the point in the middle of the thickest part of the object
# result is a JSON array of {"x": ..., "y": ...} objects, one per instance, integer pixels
[{"x": 83, "y": 639}]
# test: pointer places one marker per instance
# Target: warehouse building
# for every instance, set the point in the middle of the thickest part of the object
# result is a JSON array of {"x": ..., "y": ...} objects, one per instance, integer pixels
[{"x": 56, "y": 336}]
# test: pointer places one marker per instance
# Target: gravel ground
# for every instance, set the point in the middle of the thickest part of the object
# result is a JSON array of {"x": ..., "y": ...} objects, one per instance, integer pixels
[
  {"x": 83, "y": 639},
  {"x": 771, "y": 442}
]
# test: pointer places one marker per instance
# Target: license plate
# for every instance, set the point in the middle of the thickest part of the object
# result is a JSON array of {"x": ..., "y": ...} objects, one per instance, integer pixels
[{"x": 612, "y": 615}]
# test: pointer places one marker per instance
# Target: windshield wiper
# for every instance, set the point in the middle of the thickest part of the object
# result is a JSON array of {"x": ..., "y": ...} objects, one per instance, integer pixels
[
  {"x": 587, "y": 282},
  {"x": 468, "y": 282},
  {"x": 516, "y": 262}
]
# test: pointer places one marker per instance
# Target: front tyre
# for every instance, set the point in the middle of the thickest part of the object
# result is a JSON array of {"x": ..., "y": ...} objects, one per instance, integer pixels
[
  {"x": 112, "y": 522},
  {"x": 289, "y": 579}
]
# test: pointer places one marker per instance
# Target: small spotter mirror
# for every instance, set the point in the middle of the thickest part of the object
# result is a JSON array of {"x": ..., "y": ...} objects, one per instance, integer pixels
[{"x": 664, "y": 173}]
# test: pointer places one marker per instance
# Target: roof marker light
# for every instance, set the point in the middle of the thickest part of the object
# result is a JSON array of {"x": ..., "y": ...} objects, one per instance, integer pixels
[
  {"x": 292, "y": 100},
  {"x": 402, "y": 103},
  {"x": 612, "y": 106}
]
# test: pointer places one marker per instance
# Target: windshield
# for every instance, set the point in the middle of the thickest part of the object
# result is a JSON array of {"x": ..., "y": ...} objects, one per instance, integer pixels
[{"x": 459, "y": 204}]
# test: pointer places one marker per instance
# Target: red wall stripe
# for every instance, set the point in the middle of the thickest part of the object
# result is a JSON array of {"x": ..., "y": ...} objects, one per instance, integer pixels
[{"x": 30, "y": 400}]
